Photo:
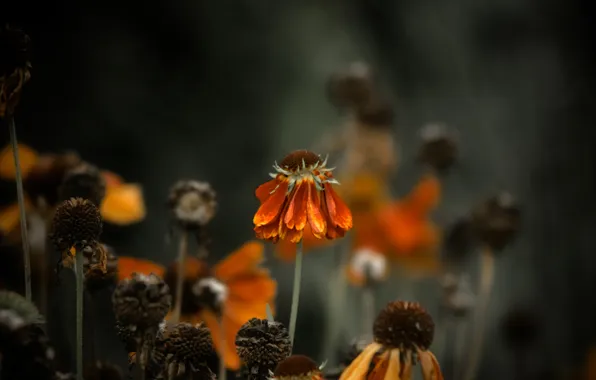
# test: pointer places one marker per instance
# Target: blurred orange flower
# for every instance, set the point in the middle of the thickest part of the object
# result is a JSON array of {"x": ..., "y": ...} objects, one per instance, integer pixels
[
  {"x": 301, "y": 194},
  {"x": 245, "y": 286}
]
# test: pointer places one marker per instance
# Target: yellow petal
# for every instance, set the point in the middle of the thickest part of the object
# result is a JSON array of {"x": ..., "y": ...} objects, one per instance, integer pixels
[{"x": 123, "y": 204}]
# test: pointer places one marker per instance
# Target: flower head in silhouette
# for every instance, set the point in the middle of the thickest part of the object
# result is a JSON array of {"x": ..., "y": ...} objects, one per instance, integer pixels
[
  {"x": 403, "y": 333},
  {"x": 225, "y": 296},
  {"x": 298, "y": 367},
  {"x": 301, "y": 194},
  {"x": 497, "y": 220},
  {"x": 77, "y": 223}
]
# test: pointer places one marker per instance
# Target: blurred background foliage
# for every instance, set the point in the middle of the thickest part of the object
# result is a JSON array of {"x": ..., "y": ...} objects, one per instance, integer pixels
[{"x": 217, "y": 90}]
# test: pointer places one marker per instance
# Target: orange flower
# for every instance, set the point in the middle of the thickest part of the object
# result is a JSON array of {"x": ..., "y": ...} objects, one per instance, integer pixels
[
  {"x": 246, "y": 289},
  {"x": 301, "y": 193}
]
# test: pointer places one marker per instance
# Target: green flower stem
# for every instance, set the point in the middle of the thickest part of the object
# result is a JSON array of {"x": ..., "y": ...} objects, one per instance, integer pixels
[{"x": 296, "y": 292}]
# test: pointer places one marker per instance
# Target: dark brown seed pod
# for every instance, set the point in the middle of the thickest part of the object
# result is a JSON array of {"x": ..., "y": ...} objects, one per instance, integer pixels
[
  {"x": 46, "y": 176},
  {"x": 103, "y": 371},
  {"x": 404, "y": 325},
  {"x": 297, "y": 367},
  {"x": 376, "y": 115},
  {"x": 186, "y": 349},
  {"x": 15, "y": 50},
  {"x": 76, "y": 223},
  {"x": 192, "y": 204},
  {"x": 439, "y": 148},
  {"x": 142, "y": 301},
  {"x": 83, "y": 181},
  {"x": 351, "y": 87},
  {"x": 497, "y": 221},
  {"x": 101, "y": 268},
  {"x": 261, "y": 345}
]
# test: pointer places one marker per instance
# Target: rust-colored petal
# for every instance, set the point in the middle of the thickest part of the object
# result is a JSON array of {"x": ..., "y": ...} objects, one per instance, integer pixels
[
  {"x": 254, "y": 288},
  {"x": 429, "y": 365},
  {"x": 380, "y": 369},
  {"x": 271, "y": 208},
  {"x": 316, "y": 219},
  {"x": 394, "y": 368},
  {"x": 129, "y": 265},
  {"x": 112, "y": 179},
  {"x": 123, "y": 204},
  {"x": 286, "y": 250},
  {"x": 264, "y": 191},
  {"x": 27, "y": 158},
  {"x": 241, "y": 261},
  {"x": 358, "y": 369},
  {"x": 425, "y": 196},
  {"x": 338, "y": 211},
  {"x": 296, "y": 215}
]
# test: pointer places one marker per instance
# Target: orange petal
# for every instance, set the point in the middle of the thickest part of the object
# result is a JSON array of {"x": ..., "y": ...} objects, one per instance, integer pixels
[
  {"x": 265, "y": 190},
  {"x": 241, "y": 261},
  {"x": 123, "y": 204},
  {"x": 10, "y": 217},
  {"x": 27, "y": 158},
  {"x": 241, "y": 312},
  {"x": 112, "y": 179},
  {"x": 129, "y": 265},
  {"x": 380, "y": 368},
  {"x": 425, "y": 196},
  {"x": 295, "y": 215},
  {"x": 228, "y": 352},
  {"x": 339, "y": 212},
  {"x": 358, "y": 369},
  {"x": 315, "y": 216},
  {"x": 257, "y": 288},
  {"x": 272, "y": 207},
  {"x": 429, "y": 365},
  {"x": 394, "y": 368}
]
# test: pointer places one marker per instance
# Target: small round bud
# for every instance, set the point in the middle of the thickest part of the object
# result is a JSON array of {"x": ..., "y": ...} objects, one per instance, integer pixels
[
  {"x": 142, "y": 301},
  {"x": 77, "y": 223},
  {"x": 404, "y": 325},
  {"x": 351, "y": 87},
  {"x": 262, "y": 344},
  {"x": 83, "y": 181},
  {"x": 192, "y": 204},
  {"x": 497, "y": 221},
  {"x": 439, "y": 148}
]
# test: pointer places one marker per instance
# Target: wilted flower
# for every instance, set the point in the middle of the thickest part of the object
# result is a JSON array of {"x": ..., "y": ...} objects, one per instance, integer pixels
[
  {"x": 193, "y": 204},
  {"x": 101, "y": 268},
  {"x": 300, "y": 193},
  {"x": 225, "y": 296},
  {"x": 261, "y": 345},
  {"x": 15, "y": 51},
  {"x": 298, "y": 367},
  {"x": 83, "y": 181},
  {"x": 497, "y": 220},
  {"x": 185, "y": 349},
  {"x": 351, "y": 87},
  {"x": 140, "y": 303},
  {"x": 439, "y": 148},
  {"x": 403, "y": 333}
]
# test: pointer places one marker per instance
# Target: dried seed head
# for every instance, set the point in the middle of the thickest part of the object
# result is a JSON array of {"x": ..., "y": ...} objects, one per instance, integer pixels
[
  {"x": 101, "y": 268},
  {"x": 103, "y": 371},
  {"x": 262, "y": 343},
  {"x": 14, "y": 68},
  {"x": 497, "y": 221},
  {"x": 46, "y": 176},
  {"x": 185, "y": 347},
  {"x": 23, "y": 309},
  {"x": 195, "y": 270},
  {"x": 142, "y": 301},
  {"x": 404, "y": 325},
  {"x": 376, "y": 115},
  {"x": 351, "y": 87},
  {"x": 521, "y": 327},
  {"x": 299, "y": 159},
  {"x": 297, "y": 367},
  {"x": 439, "y": 147},
  {"x": 83, "y": 181},
  {"x": 192, "y": 203},
  {"x": 76, "y": 223}
]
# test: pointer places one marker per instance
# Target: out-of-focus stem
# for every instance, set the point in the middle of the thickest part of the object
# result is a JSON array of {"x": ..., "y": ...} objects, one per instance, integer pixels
[
  {"x": 368, "y": 308},
  {"x": 222, "y": 361},
  {"x": 296, "y": 292},
  {"x": 486, "y": 282},
  {"x": 182, "y": 252},
  {"x": 22, "y": 211},
  {"x": 80, "y": 277}
]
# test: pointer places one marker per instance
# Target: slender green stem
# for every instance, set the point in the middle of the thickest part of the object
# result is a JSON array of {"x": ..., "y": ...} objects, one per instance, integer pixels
[
  {"x": 22, "y": 211},
  {"x": 80, "y": 276},
  {"x": 182, "y": 249},
  {"x": 222, "y": 362},
  {"x": 296, "y": 291},
  {"x": 368, "y": 308},
  {"x": 269, "y": 313}
]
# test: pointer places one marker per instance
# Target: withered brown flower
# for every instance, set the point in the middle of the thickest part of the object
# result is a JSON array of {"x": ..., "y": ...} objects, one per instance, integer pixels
[
  {"x": 262, "y": 344},
  {"x": 101, "y": 268},
  {"x": 351, "y": 87},
  {"x": 497, "y": 220},
  {"x": 83, "y": 181},
  {"x": 298, "y": 367},
  {"x": 77, "y": 223},
  {"x": 439, "y": 148},
  {"x": 15, "y": 67},
  {"x": 192, "y": 203}
]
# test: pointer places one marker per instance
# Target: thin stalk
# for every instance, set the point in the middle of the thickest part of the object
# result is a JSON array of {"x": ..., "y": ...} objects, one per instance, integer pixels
[
  {"x": 487, "y": 272},
  {"x": 222, "y": 362},
  {"x": 80, "y": 276},
  {"x": 182, "y": 251},
  {"x": 368, "y": 308},
  {"x": 296, "y": 292},
  {"x": 22, "y": 212},
  {"x": 269, "y": 313},
  {"x": 459, "y": 345}
]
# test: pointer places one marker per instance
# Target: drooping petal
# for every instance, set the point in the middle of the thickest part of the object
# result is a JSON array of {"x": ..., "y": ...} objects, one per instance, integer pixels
[
  {"x": 380, "y": 369},
  {"x": 316, "y": 219},
  {"x": 429, "y": 365},
  {"x": 27, "y": 158},
  {"x": 296, "y": 215},
  {"x": 253, "y": 288},
  {"x": 358, "y": 369},
  {"x": 339, "y": 212},
  {"x": 286, "y": 250},
  {"x": 264, "y": 191},
  {"x": 406, "y": 369},
  {"x": 123, "y": 204},
  {"x": 112, "y": 179},
  {"x": 271, "y": 208},
  {"x": 394, "y": 368},
  {"x": 241, "y": 261},
  {"x": 129, "y": 265}
]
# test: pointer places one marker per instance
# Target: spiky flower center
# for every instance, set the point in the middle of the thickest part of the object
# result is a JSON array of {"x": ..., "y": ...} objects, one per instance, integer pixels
[
  {"x": 404, "y": 325},
  {"x": 302, "y": 165}
]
